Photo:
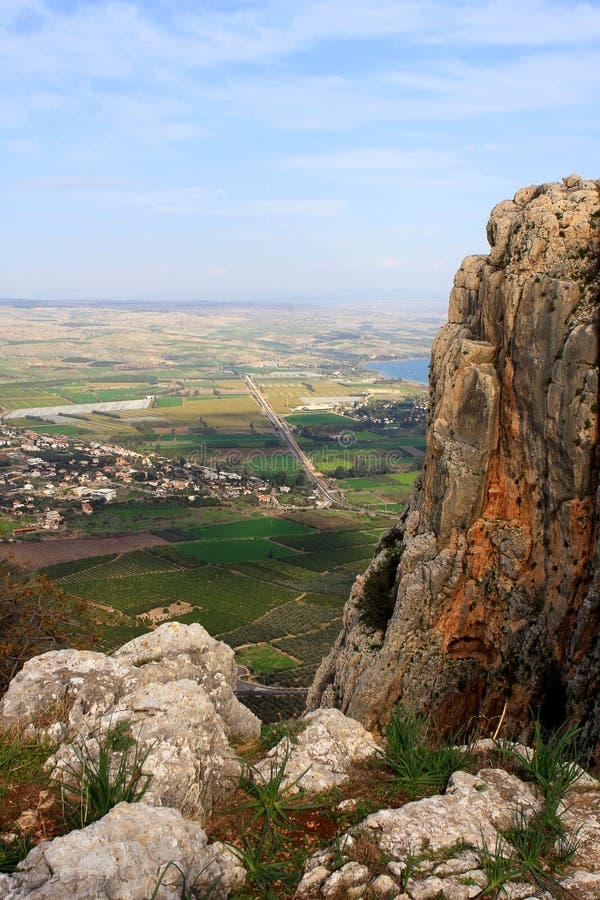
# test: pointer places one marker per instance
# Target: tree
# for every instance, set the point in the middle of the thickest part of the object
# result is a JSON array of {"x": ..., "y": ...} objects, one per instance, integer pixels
[{"x": 35, "y": 616}]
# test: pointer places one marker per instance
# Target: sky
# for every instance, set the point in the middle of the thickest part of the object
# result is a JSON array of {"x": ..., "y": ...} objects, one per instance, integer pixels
[{"x": 299, "y": 149}]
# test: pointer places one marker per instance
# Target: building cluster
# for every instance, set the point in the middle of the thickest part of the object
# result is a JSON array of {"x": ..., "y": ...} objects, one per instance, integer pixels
[{"x": 42, "y": 476}]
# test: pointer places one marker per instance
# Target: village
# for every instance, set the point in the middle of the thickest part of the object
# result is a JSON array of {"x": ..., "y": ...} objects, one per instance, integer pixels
[{"x": 47, "y": 481}]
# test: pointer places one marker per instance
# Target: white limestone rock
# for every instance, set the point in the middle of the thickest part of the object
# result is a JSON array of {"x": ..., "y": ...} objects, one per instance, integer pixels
[
  {"x": 174, "y": 651},
  {"x": 122, "y": 857},
  {"x": 183, "y": 739},
  {"x": 171, "y": 690},
  {"x": 322, "y": 755},
  {"x": 48, "y": 686}
]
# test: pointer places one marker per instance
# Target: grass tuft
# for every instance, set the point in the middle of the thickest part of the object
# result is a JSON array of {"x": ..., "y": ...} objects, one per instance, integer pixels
[
  {"x": 105, "y": 775},
  {"x": 269, "y": 801},
  {"x": 419, "y": 759}
]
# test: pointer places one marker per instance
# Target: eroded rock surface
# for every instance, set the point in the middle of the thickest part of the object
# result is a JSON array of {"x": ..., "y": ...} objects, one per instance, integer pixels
[
  {"x": 322, "y": 755},
  {"x": 171, "y": 691},
  {"x": 486, "y": 592},
  {"x": 434, "y": 847},
  {"x": 123, "y": 857}
]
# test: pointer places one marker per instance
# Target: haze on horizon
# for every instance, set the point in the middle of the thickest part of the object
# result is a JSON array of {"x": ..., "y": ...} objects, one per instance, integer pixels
[{"x": 247, "y": 148}]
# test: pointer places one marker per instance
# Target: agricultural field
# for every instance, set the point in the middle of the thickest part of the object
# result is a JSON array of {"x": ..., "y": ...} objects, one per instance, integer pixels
[
  {"x": 38, "y": 554},
  {"x": 264, "y": 658},
  {"x": 175, "y": 383},
  {"x": 279, "y": 610},
  {"x": 260, "y": 527},
  {"x": 271, "y": 586}
]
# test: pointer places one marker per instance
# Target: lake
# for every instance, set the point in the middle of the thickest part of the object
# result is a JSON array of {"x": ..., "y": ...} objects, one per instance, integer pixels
[{"x": 406, "y": 369}]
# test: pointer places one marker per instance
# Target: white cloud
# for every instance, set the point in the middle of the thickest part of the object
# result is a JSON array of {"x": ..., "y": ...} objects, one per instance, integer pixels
[
  {"x": 389, "y": 262},
  {"x": 169, "y": 75},
  {"x": 69, "y": 183},
  {"x": 527, "y": 23},
  {"x": 321, "y": 209},
  {"x": 373, "y": 159}
]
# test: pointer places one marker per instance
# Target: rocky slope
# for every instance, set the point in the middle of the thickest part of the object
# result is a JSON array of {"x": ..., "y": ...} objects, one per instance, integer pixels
[
  {"x": 486, "y": 592},
  {"x": 172, "y": 691}
]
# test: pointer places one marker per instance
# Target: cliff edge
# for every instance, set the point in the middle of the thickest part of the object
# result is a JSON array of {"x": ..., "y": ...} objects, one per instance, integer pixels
[{"x": 486, "y": 594}]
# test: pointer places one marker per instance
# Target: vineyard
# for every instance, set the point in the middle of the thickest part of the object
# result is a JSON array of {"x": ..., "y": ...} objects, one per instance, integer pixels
[
  {"x": 327, "y": 542},
  {"x": 329, "y": 559},
  {"x": 223, "y": 599}
]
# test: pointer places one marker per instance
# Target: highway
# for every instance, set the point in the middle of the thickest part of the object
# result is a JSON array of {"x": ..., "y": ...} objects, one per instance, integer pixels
[{"x": 285, "y": 432}]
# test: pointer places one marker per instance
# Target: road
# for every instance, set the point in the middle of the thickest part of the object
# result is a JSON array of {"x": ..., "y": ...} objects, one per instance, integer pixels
[{"x": 285, "y": 432}]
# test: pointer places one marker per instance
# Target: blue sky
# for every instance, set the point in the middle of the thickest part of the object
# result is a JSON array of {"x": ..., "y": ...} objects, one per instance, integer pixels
[{"x": 305, "y": 149}]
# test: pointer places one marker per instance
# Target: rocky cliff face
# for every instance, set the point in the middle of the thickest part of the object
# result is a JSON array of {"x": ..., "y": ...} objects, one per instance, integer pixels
[{"x": 486, "y": 592}]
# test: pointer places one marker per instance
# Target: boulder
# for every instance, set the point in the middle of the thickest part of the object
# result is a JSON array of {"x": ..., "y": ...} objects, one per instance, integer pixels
[
  {"x": 132, "y": 852},
  {"x": 171, "y": 692},
  {"x": 323, "y": 754}
]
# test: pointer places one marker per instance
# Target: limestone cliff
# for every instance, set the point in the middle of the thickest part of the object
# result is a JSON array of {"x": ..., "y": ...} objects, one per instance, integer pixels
[{"x": 486, "y": 592}]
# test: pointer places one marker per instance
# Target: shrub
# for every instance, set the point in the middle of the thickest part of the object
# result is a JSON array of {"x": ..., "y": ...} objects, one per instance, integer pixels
[
  {"x": 36, "y": 617},
  {"x": 378, "y": 600}
]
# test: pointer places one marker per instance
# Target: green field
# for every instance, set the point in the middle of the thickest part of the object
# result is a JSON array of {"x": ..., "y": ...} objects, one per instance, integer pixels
[
  {"x": 260, "y": 580},
  {"x": 120, "y": 394},
  {"x": 290, "y": 606},
  {"x": 161, "y": 402},
  {"x": 265, "y": 526},
  {"x": 79, "y": 396},
  {"x": 319, "y": 418},
  {"x": 229, "y": 551},
  {"x": 277, "y": 462},
  {"x": 264, "y": 658},
  {"x": 68, "y": 430}
]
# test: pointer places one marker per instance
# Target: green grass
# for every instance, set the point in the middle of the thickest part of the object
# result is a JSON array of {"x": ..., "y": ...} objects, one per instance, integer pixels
[
  {"x": 389, "y": 482},
  {"x": 418, "y": 757},
  {"x": 264, "y": 658},
  {"x": 6, "y": 526},
  {"x": 404, "y": 478},
  {"x": 104, "y": 776},
  {"x": 21, "y": 759}
]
